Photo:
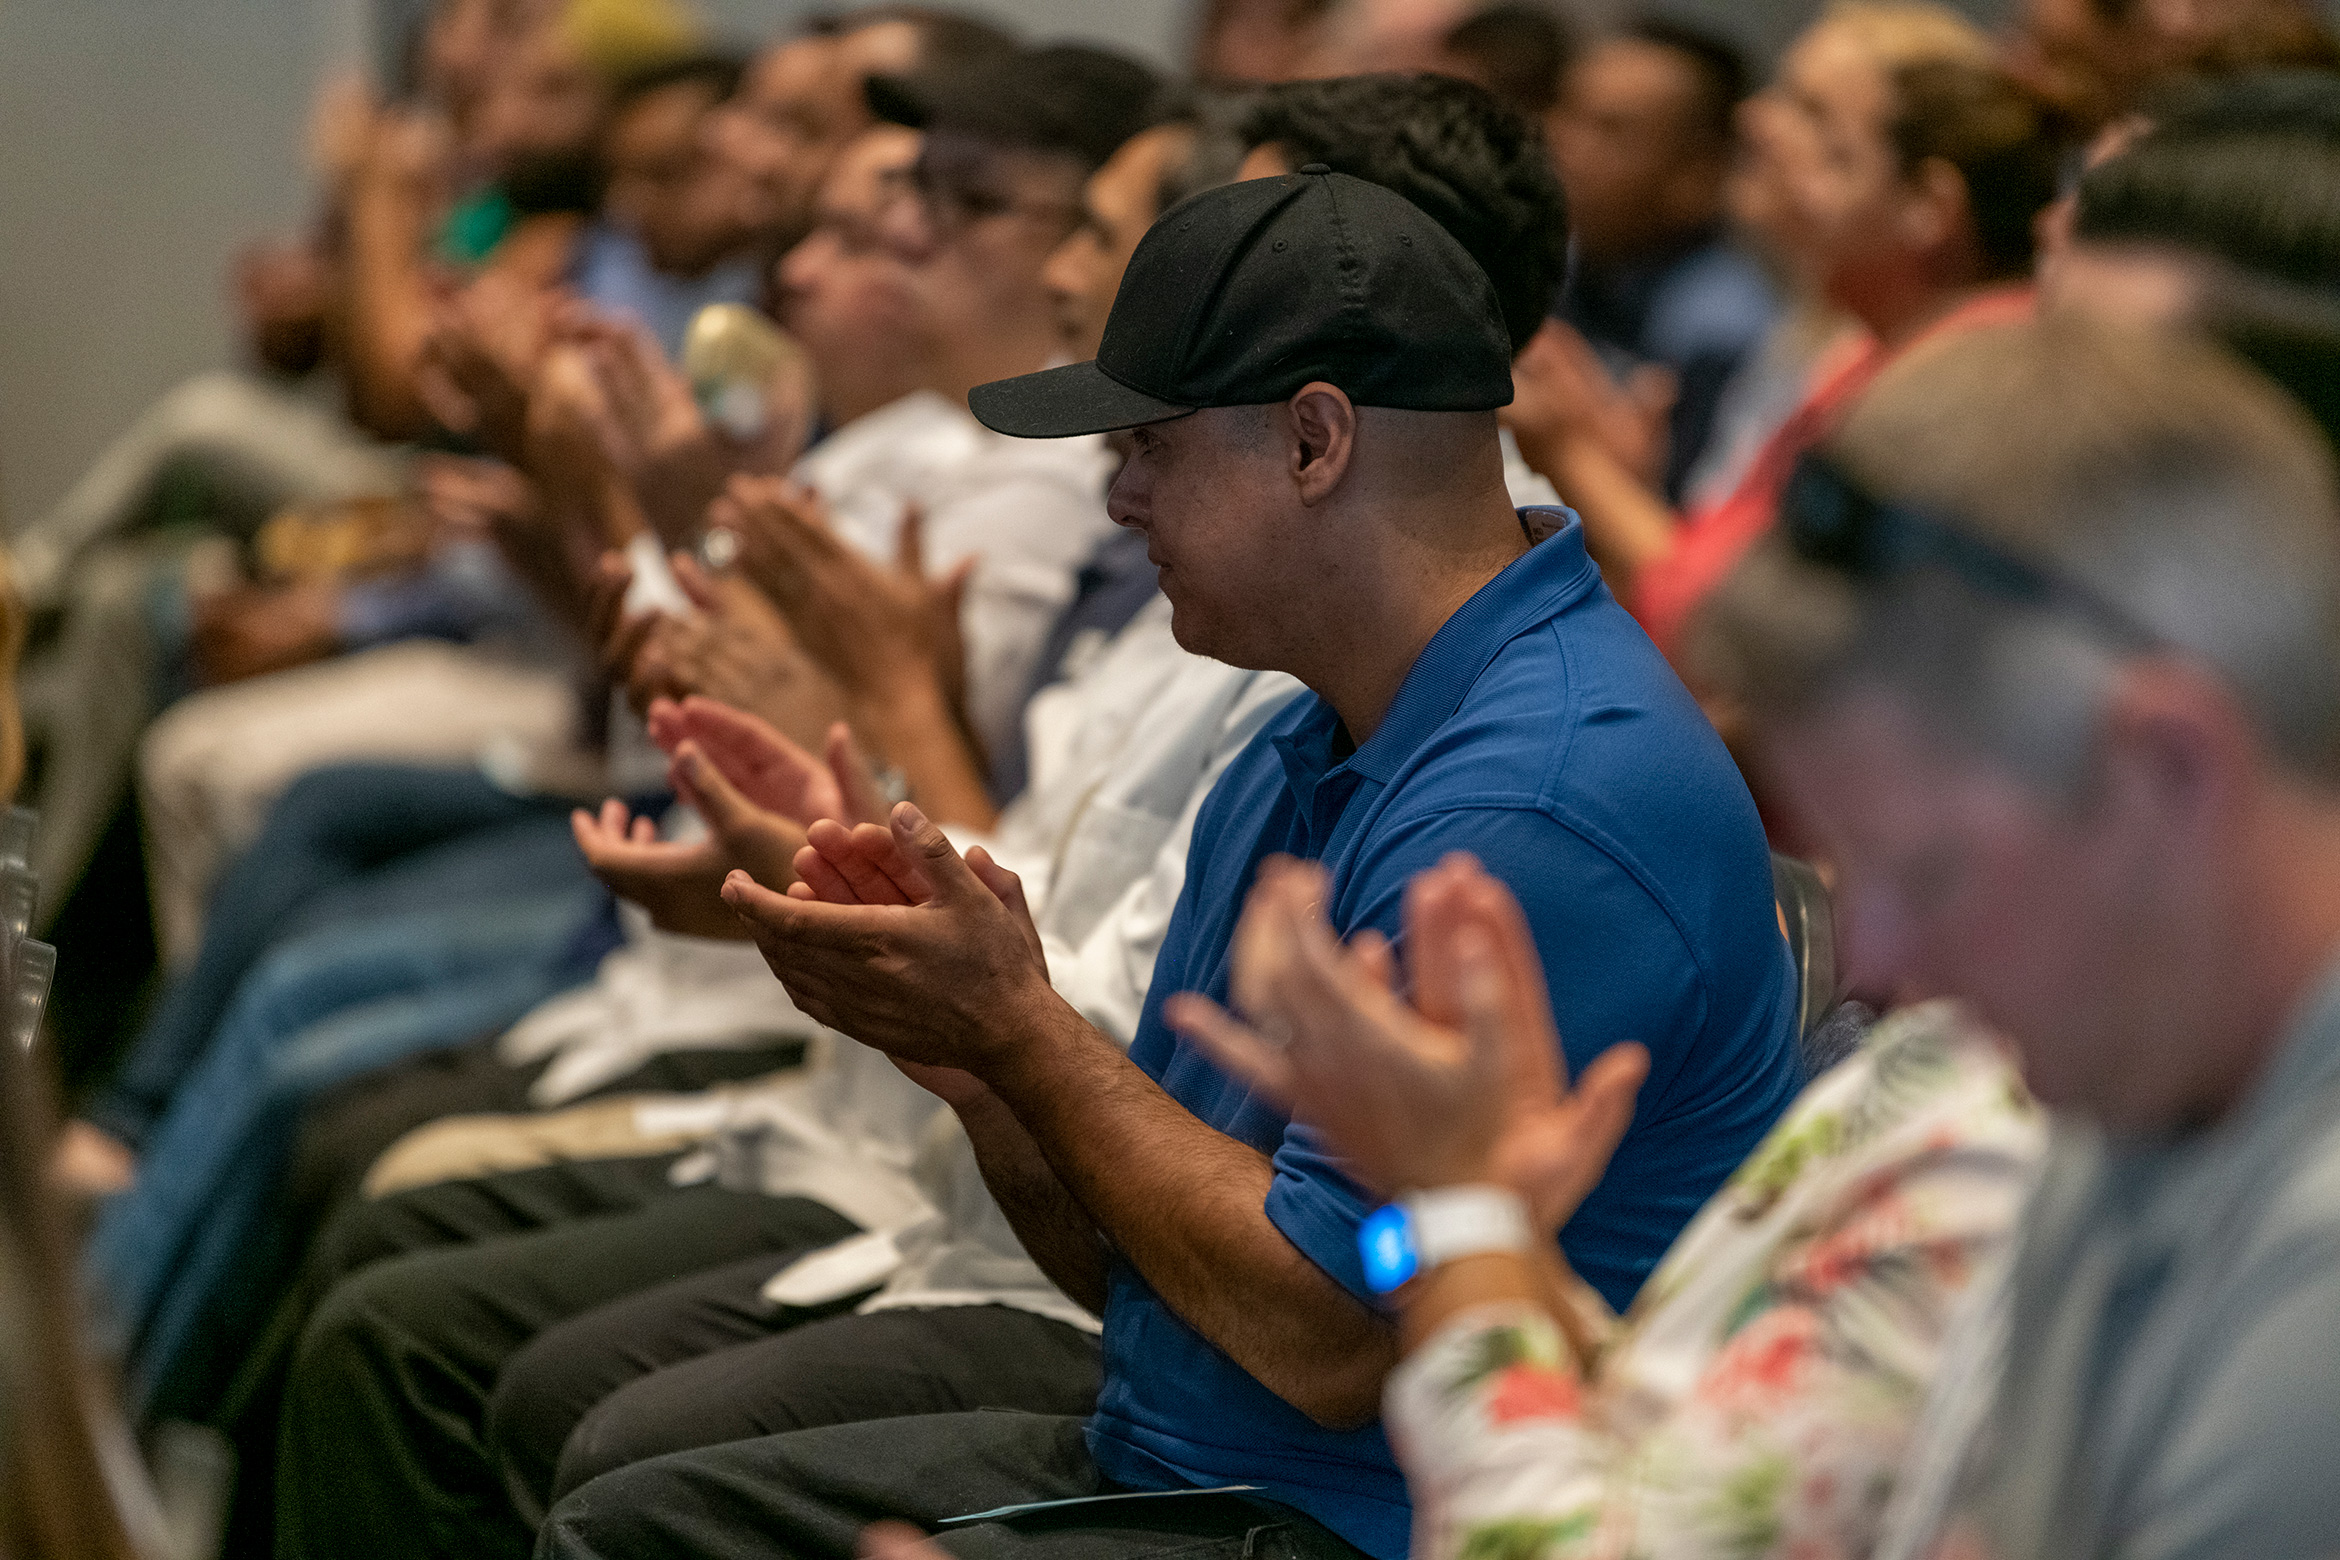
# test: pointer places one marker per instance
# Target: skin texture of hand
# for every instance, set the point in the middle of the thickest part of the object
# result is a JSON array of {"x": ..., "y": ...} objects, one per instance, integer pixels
[
  {"x": 1562, "y": 392},
  {"x": 255, "y": 629},
  {"x": 677, "y": 883},
  {"x": 1463, "y": 1086},
  {"x": 768, "y": 768},
  {"x": 877, "y": 631},
  {"x": 897, "y": 1541},
  {"x": 481, "y": 360},
  {"x": 655, "y": 435},
  {"x": 91, "y": 1162},
  {"x": 892, "y": 937},
  {"x": 734, "y": 648}
]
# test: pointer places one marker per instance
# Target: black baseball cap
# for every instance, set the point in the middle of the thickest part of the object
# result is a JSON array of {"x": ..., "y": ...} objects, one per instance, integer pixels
[
  {"x": 1240, "y": 295},
  {"x": 1066, "y": 98}
]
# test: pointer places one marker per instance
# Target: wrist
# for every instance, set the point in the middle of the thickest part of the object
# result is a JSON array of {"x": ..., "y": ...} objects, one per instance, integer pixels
[{"x": 1428, "y": 1228}]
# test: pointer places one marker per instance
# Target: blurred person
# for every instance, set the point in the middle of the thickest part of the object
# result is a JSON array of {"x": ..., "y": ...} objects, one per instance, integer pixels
[
  {"x": 1913, "y": 192},
  {"x": 2097, "y": 60},
  {"x": 2230, "y": 193},
  {"x": 1002, "y": 142},
  {"x": 1766, "y": 1379},
  {"x": 2045, "y": 655},
  {"x": 1294, "y": 1419},
  {"x": 1250, "y": 42},
  {"x": 1643, "y": 140},
  {"x": 1515, "y": 50}
]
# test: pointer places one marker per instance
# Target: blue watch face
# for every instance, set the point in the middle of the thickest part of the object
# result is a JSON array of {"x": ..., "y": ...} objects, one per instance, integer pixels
[{"x": 1386, "y": 1241}]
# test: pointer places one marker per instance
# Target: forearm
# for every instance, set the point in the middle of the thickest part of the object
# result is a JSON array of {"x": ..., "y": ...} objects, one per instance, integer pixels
[
  {"x": 1185, "y": 1205},
  {"x": 912, "y": 724},
  {"x": 1494, "y": 1278},
  {"x": 386, "y": 314},
  {"x": 1057, "y": 1233}
]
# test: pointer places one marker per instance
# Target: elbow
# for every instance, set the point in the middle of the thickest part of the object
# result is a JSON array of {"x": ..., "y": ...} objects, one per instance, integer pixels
[{"x": 1342, "y": 1394}]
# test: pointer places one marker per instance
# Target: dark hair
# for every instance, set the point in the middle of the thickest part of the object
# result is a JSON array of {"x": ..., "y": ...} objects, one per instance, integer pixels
[
  {"x": 1214, "y": 119},
  {"x": 719, "y": 73},
  {"x": 2001, "y": 139},
  {"x": 945, "y": 37},
  {"x": 2292, "y": 338},
  {"x": 1716, "y": 65},
  {"x": 1473, "y": 165},
  {"x": 1516, "y": 51},
  {"x": 2249, "y": 173}
]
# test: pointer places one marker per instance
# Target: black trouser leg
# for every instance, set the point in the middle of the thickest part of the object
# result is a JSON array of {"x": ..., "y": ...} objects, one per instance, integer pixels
[
  {"x": 808, "y": 1495},
  {"x": 381, "y": 1449},
  {"x": 880, "y": 1366}
]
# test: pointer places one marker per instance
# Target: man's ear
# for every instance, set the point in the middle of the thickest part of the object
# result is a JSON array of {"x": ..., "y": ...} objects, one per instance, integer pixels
[
  {"x": 2177, "y": 753},
  {"x": 1324, "y": 439},
  {"x": 1937, "y": 206}
]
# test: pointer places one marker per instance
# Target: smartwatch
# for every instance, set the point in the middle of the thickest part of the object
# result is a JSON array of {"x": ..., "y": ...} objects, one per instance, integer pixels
[{"x": 1423, "y": 1229}]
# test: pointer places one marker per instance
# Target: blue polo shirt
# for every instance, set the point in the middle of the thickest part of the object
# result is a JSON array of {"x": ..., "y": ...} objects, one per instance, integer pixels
[{"x": 1541, "y": 731}]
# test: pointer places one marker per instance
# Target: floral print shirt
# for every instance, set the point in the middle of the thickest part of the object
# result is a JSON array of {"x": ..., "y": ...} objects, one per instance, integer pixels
[{"x": 1757, "y": 1398}]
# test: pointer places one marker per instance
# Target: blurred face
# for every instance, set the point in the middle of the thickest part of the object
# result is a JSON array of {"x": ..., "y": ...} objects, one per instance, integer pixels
[
  {"x": 2053, "y": 920},
  {"x": 539, "y": 100},
  {"x": 1820, "y": 179},
  {"x": 1232, "y": 562},
  {"x": 665, "y": 185},
  {"x": 845, "y": 292},
  {"x": 977, "y": 223},
  {"x": 795, "y": 111},
  {"x": 1118, "y": 205},
  {"x": 1625, "y": 147}
]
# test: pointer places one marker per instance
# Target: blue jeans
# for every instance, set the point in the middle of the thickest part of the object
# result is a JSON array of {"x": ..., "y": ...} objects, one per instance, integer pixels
[
  {"x": 345, "y": 843},
  {"x": 183, "y": 1256}
]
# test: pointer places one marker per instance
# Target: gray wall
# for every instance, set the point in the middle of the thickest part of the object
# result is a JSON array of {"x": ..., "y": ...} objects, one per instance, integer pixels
[{"x": 141, "y": 141}]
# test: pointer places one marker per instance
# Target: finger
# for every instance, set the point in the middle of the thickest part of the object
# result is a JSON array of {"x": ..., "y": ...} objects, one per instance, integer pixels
[
  {"x": 668, "y": 730},
  {"x": 871, "y": 860},
  {"x": 1538, "y": 1070},
  {"x": 855, "y": 775},
  {"x": 728, "y": 814},
  {"x": 820, "y": 880},
  {"x": 937, "y": 860},
  {"x": 695, "y": 583},
  {"x": 1235, "y": 1048},
  {"x": 896, "y": 1541},
  {"x": 1006, "y": 886},
  {"x": 1374, "y": 958}
]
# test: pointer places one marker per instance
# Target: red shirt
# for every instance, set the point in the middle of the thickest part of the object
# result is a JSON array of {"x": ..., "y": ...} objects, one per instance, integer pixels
[{"x": 1712, "y": 540}]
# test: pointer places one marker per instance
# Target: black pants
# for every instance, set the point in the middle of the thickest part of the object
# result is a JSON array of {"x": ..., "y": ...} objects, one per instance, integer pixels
[
  {"x": 381, "y": 1448},
  {"x": 809, "y": 1494},
  {"x": 707, "y": 1360}
]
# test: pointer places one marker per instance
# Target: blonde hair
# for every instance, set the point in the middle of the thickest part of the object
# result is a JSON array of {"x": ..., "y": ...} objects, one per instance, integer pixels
[{"x": 1902, "y": 33}]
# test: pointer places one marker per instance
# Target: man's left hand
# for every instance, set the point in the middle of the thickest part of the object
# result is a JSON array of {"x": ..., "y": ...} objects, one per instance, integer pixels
[{"x": 892, "y": 937}]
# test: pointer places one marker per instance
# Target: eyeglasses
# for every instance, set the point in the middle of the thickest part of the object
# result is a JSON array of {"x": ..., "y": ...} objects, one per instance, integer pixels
[
  {"x": 951, "y": 197},
  {"x": 1834, "y": 522}
]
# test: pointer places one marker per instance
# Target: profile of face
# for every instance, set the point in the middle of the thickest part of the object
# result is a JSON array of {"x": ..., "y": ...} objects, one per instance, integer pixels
[
  {"x": 2076, "y": 926},
  {"x": 977, "y": 222},
  {"x": 1214, "y": 493},
  {"x": 845, "y": 292},
  {"x": 664, "y": 183},
  {"x": 539, "y": 99},
  {"x": 1626, "y": 145},
  {"x": 794, "y": 110},
  {"x": 1819, "y": 181},
  {"x": 1118, "y": 205}
]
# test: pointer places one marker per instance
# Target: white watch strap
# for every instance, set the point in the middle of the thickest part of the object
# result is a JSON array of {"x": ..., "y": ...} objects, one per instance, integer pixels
[{"x": 1464, "y": 1221}]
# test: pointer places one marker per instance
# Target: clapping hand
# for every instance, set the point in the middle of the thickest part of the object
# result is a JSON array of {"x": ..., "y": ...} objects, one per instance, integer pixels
[
  {"x": 1463, "y": 1085},
  {"x": 891, "y": 936},
  {"x": 1563, "y": 392}
]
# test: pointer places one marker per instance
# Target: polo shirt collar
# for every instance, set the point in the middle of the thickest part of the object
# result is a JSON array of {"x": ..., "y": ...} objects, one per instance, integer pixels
[{"x": 1532, "y": 589}]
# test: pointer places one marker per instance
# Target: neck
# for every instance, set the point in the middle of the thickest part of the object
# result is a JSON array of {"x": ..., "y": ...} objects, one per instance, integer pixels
[
  {"x": 1389, "y": 602},
  {"x": 1898, "y": 310},
  {"x": 850, "y": 395},
  {"x": 2288, "y": 934}
]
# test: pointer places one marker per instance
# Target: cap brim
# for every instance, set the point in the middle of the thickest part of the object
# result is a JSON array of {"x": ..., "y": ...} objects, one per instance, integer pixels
[{"x": 1058, "y": 403}]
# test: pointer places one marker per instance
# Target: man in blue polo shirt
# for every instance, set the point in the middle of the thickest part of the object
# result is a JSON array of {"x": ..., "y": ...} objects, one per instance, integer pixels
[{"x": 1309, "y": 367}]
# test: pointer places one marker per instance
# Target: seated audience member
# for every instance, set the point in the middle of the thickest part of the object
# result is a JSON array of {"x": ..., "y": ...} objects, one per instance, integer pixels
[
  {"x": 1294, "y": 529},
  {"x": 1102, "y": 834},
  {"x": 1766, "y": 1378},
  {"x": 1643, "y": 140},
  {"x": 1479, "y": 170},
  {"x": 976, "y": 306},
  {"x": 1917, "y": 185},
  {"x": 2097, "y": 62},
  {"x": 2045, "y": 655},
  {"x": 1516, "y": 51},
  {"x": 2229, "y": 195}
]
